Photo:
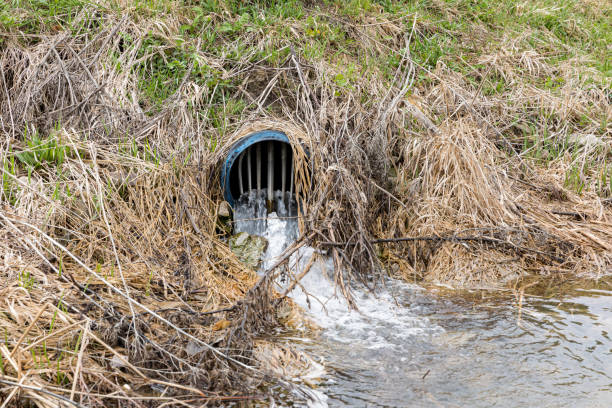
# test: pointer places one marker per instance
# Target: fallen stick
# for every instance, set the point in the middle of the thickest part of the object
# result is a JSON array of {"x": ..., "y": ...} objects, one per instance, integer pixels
[
  {"x": 297, "y": 279},
  {"x": 452, "y": 238},
  {"x": 25, "y": 333},
  {"x": 41, "y": 390},
  {"x": 284, "y": 258}
]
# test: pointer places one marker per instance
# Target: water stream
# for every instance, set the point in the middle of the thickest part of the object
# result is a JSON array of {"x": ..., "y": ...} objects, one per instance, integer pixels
[{"x": 408, "y": 346}]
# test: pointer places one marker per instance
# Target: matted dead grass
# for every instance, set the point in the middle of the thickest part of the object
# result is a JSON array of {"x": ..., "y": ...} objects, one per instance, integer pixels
[{"x": 118, "y": 288}]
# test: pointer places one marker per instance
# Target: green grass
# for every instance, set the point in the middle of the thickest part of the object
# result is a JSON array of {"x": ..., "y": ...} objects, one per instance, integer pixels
[
  {"x": 26, "y": 280},
  {"x": 10, "y": 188},
  {"x": 453, "y": 33},
  {"x": 561, "y": 28},
  {"x": 39, "y": 151},
  {"x": 604, "y": 181},
  {"x": 36, "y": 153},
  {"x": 36, "y": 16}
]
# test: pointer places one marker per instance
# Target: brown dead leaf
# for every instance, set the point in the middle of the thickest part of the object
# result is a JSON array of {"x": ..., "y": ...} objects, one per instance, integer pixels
[{"x": 221, "y": 324}]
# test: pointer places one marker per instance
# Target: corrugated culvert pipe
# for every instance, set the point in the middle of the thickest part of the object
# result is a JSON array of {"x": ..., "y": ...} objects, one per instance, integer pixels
[{"x": 261, "y": 164}]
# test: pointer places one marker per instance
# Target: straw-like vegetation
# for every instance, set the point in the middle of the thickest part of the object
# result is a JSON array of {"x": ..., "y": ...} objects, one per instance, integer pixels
[{"x": 466, "y": 142}]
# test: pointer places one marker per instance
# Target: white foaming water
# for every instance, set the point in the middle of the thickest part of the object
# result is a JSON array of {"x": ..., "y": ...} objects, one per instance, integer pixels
[
  {"x": 380, "y": 322},
  {"x": 390, "y": 352},
  {"x": 251, "y": 214}
]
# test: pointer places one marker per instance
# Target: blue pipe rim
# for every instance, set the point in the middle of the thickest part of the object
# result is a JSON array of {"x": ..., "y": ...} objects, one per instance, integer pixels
[{"x": 235, "y": 151}]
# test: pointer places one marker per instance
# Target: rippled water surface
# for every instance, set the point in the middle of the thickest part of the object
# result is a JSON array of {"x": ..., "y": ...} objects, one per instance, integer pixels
[
  {"x": 407, "y": 346},
  {"x": 558, "y": 353}
]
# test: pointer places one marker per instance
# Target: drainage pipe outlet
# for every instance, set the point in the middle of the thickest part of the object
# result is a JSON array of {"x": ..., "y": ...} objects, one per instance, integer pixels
[{"x": 260, "y": 164}]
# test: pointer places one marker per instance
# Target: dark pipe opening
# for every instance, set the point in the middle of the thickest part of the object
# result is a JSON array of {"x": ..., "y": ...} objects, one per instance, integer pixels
[
  {"x": 260, "y": 161},
  {"x": 269, "y": 149}
]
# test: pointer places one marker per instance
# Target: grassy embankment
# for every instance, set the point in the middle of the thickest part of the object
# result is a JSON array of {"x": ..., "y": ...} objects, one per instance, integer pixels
[{"x": 486, "y": 123}]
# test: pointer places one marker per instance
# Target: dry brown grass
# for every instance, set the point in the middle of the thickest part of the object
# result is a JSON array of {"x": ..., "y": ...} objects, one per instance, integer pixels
[
  {"x": 115, "y": 274},
  {"x": 117, "y": 286}
]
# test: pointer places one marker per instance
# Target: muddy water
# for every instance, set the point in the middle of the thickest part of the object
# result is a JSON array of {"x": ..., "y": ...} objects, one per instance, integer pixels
[{"x": 410, "y": 346}]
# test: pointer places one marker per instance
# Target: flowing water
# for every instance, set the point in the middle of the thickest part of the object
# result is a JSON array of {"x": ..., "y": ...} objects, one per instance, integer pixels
[{"x": 408, "y": 346}]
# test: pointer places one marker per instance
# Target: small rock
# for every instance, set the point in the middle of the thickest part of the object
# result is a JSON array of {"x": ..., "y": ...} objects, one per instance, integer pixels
[
  {"x": 193, "y": 348},
  {"x": 248, "y": 248},
  {"x": 587, "y": 139},
  {"x": 224, "y": 209},
  {"x": 117, "y": 362},
  {"x": 241, "y": 239}
]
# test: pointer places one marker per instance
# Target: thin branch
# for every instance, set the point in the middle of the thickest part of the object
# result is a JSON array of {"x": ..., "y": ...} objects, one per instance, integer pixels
[
  {"x": 42, "y": 390},
  {"x": 452, "y": 238}
]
